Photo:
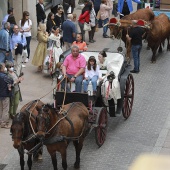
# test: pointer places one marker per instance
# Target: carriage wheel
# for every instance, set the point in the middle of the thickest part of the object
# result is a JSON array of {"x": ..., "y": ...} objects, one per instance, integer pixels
[
  {"x": 128, "y": 96},
  {"x": 101, "y": 129}
]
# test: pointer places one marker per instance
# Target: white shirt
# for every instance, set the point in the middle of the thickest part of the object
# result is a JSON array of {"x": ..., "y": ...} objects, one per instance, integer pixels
[
  {"x": 42, "y": 6},
  {"x": 103, "y": 66},
  {"x": 91, "y": 73},
  {"x": 25, "y": 27}
]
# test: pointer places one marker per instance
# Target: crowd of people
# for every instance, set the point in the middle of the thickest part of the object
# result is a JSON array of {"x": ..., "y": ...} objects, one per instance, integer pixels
[{"x": 59, "y": 29}]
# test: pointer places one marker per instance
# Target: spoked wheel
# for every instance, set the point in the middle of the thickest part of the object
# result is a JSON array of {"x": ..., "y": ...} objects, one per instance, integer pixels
[
  {"x": 101, "y": 129},
  {"x": 128, "y": 96}
]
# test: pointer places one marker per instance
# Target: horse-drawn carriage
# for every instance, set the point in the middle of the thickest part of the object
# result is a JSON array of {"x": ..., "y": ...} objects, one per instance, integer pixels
[
  {"x": 74, "y": 115},
  {"x": 115, "y": 93}
]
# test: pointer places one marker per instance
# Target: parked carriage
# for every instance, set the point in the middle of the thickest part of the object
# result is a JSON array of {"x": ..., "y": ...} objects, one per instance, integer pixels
[{"x": 114, "y": 94}]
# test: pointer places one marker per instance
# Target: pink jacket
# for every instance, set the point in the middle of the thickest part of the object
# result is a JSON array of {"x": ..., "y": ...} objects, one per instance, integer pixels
[{"x": 105, "y": 10}]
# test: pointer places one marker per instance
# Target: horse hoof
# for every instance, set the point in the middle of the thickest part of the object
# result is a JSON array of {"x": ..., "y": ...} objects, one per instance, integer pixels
[
  {"x": 76, "y": 165},
  {"x": 153, "y": 61}
]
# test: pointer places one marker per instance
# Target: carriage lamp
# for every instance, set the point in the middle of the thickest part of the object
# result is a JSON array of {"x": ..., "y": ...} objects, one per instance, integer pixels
[
  {"x": 119, "y": 49},
  {"x": 111, "y": 76}
]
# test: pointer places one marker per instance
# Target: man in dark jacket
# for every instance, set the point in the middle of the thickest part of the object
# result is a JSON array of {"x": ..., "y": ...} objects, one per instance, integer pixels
[
  {"x": 69, "y": 31},
  {"x": 135, "y": 36},
  {"x": 40, "y": 11},
  {"x": 5, "y": 94}
]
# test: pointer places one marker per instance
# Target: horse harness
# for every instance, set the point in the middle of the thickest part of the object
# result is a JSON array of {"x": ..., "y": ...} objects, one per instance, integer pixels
[{"x": 53, "y": 139}]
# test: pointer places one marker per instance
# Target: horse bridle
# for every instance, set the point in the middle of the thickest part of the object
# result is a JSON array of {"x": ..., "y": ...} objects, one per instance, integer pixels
[
  {"x": 47, "y": 120},
  {"x": 22, "y": 125}
]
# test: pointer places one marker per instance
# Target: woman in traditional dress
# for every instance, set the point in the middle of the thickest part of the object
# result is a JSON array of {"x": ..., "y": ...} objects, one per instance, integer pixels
[
  {"x": 54, "y": 46},
  {"x": 102, "y": 60},
  {"x": 41, "y": 50}
]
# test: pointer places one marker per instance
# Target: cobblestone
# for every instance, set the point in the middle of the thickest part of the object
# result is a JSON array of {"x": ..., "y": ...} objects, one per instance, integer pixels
[{"x": 146, "y": 130}]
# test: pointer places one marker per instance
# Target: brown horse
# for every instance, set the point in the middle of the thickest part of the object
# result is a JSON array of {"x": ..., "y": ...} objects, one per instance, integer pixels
[
  {"x": 23, "y": 134},
  {"x": 59, "y": 127}
]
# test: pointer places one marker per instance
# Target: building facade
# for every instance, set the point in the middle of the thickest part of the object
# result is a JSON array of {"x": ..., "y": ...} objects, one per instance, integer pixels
[{"x": 25, "y": 5}]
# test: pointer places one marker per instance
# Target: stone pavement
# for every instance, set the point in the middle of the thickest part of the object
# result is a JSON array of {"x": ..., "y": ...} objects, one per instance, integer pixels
[{"x": 146, "y": 131}]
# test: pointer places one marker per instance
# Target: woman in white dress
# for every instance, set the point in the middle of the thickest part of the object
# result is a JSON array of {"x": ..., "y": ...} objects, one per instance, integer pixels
[
  {"x": 25, "y": 25},
  {"x": 102, "y": 60},
  {"x": 54, "y": 46}
]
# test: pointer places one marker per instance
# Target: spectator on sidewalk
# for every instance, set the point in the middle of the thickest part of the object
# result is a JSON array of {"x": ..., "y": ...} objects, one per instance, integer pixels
[
  {"x": 5, "y": 50},
  {"x": 75, "y": 22},
  {"x": 50, "y": 22},
  {"x": 69, "y": 31},
  {"x": 93, "y": 23},
  {"x": 25, "y": 25},
  {"x": 80, "y": 43},
  {"x": 59, "y": 17},
  {"x": 105, "y": 11},
  {"x": 97, "y": 8},
  {"x": 10, "y": 11},
  {"x": 18, "y": 42},
  {"x": 11, "y": 20},
  {"x": 40, "y": 12},
  {"x": 41, "y": 50},
  {"x": 125, "y": 7},
  {"x": 84, "y": 17},
  {"x": 66, "y": 5},
  {"x": 114, "y": 11},
  {"x": 16, "y": 93},
  {"x": 5, "y": 94}
]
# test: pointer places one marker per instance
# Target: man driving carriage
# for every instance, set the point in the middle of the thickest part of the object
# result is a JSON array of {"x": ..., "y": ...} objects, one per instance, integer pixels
[{"x": 73, "y": 68}]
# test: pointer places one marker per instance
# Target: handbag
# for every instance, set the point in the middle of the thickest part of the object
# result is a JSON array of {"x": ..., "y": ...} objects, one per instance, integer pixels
[
  {"x": 87, "y": 27},
  {"x": 69, "y": 10}
]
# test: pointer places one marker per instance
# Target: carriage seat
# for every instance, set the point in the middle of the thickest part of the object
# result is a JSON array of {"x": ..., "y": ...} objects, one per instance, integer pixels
[{"x": 115, "y": 62}]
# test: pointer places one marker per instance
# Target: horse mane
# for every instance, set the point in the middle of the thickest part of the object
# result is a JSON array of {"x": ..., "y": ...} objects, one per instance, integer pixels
[
  {"x": 50, "y": 106},
  {"x": 20, "y": 118}
]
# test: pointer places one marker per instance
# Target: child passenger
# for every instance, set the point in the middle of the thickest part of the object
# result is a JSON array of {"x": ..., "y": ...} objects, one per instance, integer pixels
[{"x": 92, "y": 73}]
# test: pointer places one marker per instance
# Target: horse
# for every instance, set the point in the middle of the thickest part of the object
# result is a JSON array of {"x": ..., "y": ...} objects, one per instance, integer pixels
[
  {"x": 22, "y": 133},
  {"x": 59, "y": 127}
]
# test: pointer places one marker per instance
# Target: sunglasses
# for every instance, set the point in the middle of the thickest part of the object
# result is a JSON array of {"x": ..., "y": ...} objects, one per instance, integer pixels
[{"x": 27, "y": 15}]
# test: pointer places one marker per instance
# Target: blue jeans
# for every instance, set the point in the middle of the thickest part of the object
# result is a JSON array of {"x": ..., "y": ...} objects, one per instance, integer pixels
[
  {"x": 28, "y": 39},
  {"x": 93, "y": 81},
  {"x": 106, "y": 27},
  {"x": 136, "y": 58},
  {"x": 78, "y": 83},
  {"x": 3, "y": 57}
]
